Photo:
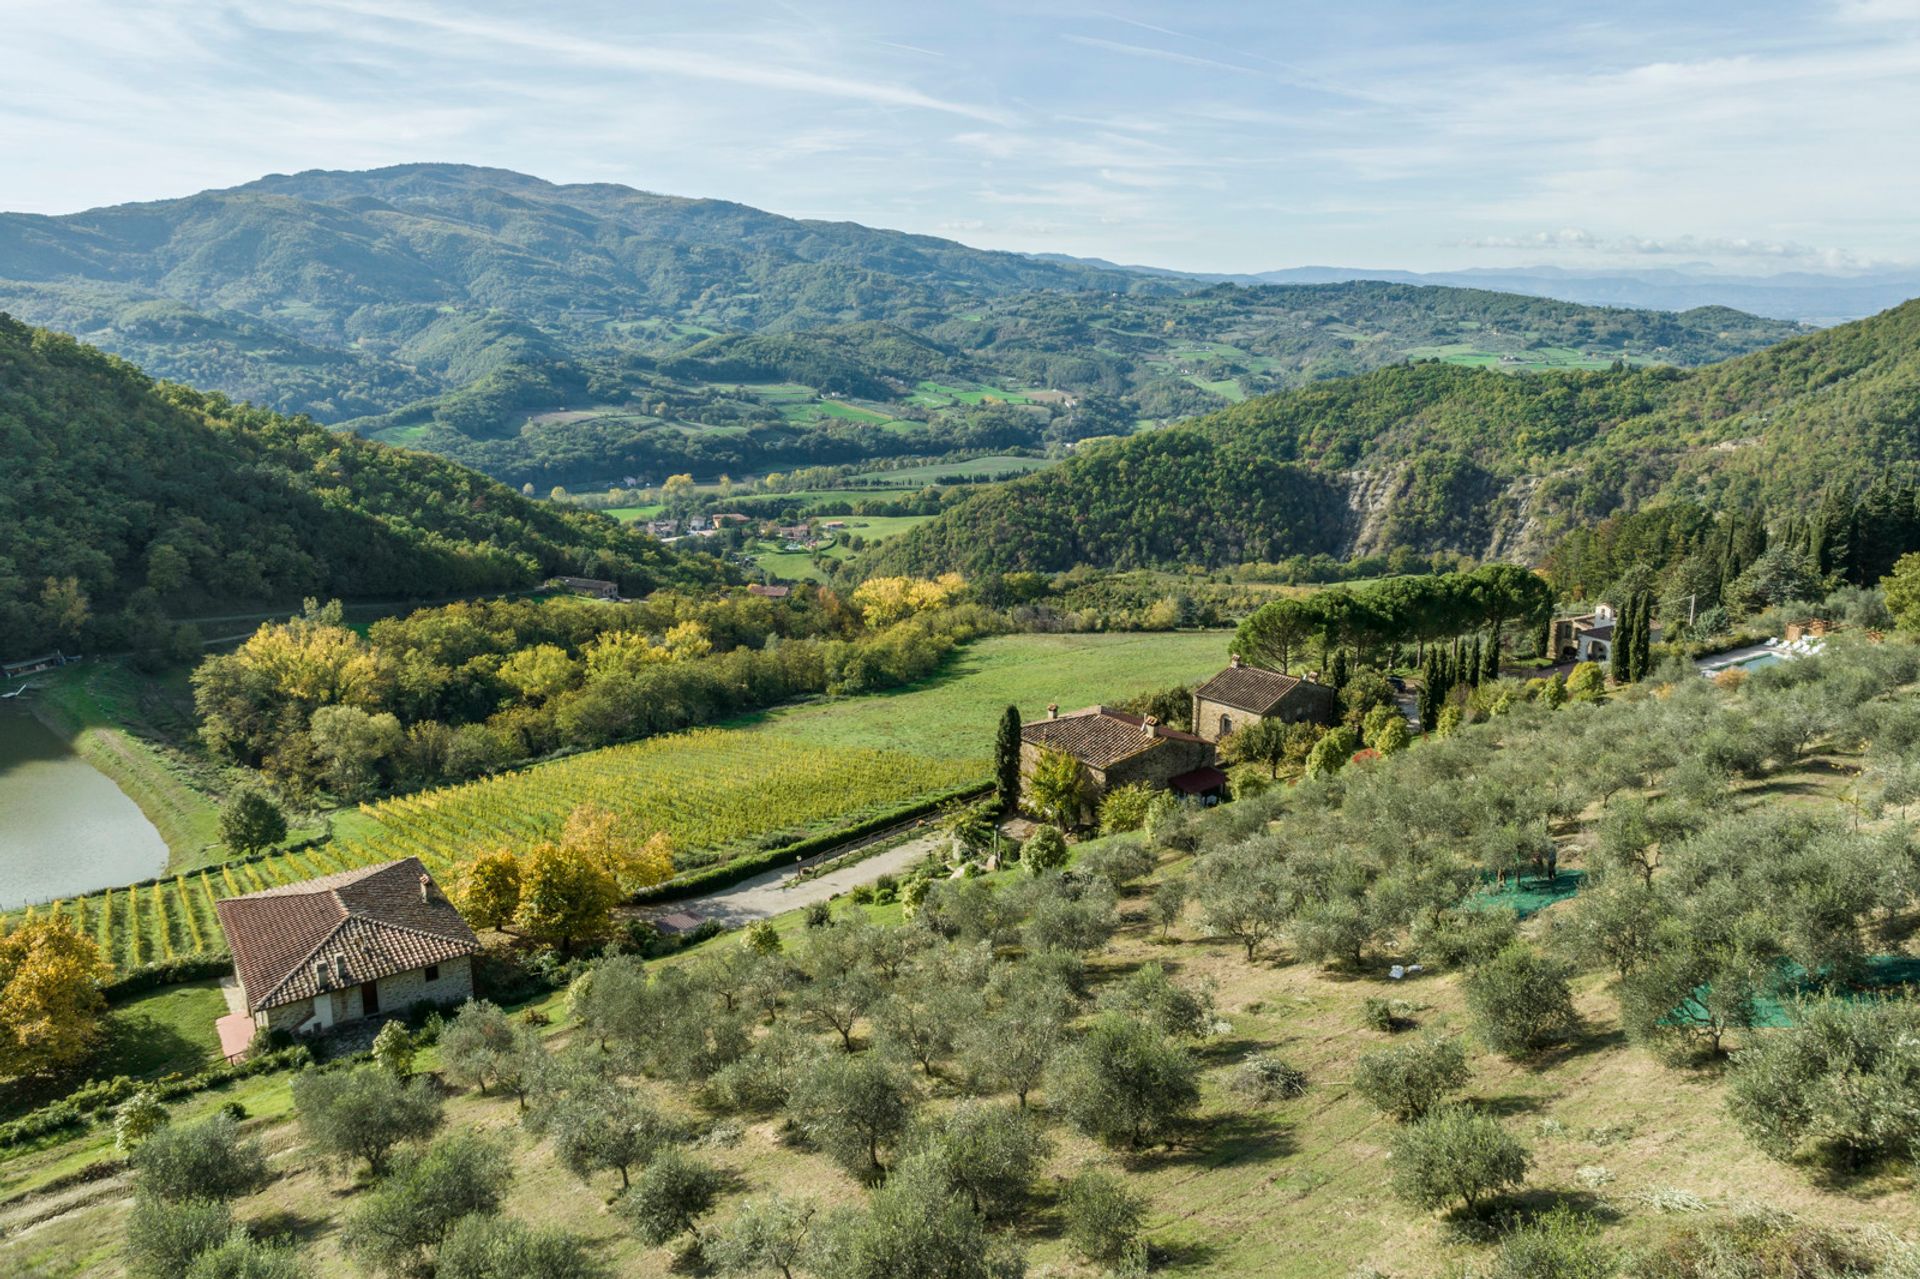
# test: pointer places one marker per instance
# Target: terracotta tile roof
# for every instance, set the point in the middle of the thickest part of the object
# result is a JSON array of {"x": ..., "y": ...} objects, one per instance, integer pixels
[
  {"x": 1100, "y": 736},
  {"x": 1199, "y": 781},
  {"x": 359, "y": 924},
  {"x": 1248, "y": 688}
]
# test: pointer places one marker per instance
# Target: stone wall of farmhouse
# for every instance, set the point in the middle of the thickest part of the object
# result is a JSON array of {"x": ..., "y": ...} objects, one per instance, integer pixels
[
  {"x": 1160, "y": 765},
  {"x": 396, "y": 994},
  {"x": 1215, "y": 720}
]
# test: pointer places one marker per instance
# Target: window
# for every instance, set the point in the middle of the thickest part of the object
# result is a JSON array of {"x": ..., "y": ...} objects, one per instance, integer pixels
[
  {"x": 433, "y": 972},
  {"x": 1226, "y": 725}
]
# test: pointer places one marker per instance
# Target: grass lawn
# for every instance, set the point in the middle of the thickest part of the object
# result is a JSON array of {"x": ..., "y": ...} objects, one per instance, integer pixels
[{"x": 165, "y": 1031}]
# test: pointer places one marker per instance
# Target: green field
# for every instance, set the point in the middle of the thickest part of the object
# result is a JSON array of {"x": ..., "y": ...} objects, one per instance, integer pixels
[
  {"x": 798, "y": 566},
  {"x": 995, "y": 467},
  {"x": 769, "y": 778},
  {"x": 1531, "y": 359}
]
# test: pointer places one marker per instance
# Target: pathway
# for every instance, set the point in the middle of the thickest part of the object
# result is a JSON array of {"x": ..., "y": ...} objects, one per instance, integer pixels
[{"x": 774, "y": 892}]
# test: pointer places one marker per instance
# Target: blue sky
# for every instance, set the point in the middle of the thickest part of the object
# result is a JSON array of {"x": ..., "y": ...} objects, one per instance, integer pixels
[{"x": 1758, "y": 137}]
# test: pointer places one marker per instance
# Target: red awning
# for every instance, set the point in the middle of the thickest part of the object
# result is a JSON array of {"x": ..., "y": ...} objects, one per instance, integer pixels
[{"x": 1199, "y": 781}]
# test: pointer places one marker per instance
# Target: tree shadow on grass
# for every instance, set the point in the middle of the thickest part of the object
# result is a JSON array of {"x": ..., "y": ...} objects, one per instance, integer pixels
[
  {"x": 287, "y": 1227},
  {"x": 1581, "y": 1045},
  {"x": 1223, "y": 1141},
  {"x": 1496, "y": 1218},
  {"x": 1194, "y": 1256}
]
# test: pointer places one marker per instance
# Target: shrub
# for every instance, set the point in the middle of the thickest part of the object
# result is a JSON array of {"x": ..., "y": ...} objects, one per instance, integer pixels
[
  {"x": 819, "y": 914},
  {"x": 1045, "y": 851},
  {"x": 138, "y": 1118},
  {"x": 482, "y": 1247},
  {"x": 393, "y": 1050},
  {"x": 1267, "y": 1078},
  {"x": 1409, "y": 1080},
  {"x": 240, "y": 1256},
  {"x": 1463, "y": 938},
  {"x": 1125, "y": 808},
  {"x": 1119, "y": 863},
  {"x": 1389, "y": 1015},
  {"x": 1585, "y": 682},
  {"x": 1103, "y": 1216},
  {"x": 1521, "y": 1002},
  {"x": 1455, "y": 1155},
  {"x": 1561, "y": 1244},
  {"x": 1149, "y": 994}
]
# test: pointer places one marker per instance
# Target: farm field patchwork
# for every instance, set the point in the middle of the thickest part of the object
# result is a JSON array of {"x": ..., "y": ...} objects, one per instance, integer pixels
[{"x": 755, "y": 782}]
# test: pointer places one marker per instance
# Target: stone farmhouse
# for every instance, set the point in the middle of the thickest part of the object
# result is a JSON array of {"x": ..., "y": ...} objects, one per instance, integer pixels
[
  {"x": 1243, "y": 695},
  {"x": 312, "y": 955},
  {"x": 593, "y": 587},
  {"x": 1116, "y": 749}
]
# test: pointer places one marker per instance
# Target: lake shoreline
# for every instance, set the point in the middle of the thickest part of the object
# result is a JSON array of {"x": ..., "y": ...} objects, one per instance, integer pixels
[{"x": 186, "y": 817}]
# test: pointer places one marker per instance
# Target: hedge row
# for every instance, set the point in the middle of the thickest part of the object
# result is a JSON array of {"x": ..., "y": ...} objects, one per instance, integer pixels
[
  {"x": 727, "y": 874},
  {"x": 169, "y": 972},
  {"x": 78, "y": 1108}
]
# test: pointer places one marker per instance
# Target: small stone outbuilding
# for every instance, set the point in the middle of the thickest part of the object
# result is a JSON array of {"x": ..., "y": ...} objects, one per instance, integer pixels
[
  {"x": 1116, "y": 749},
  {"x": 379, "y": 939},
  {"x": 1243, "y": 695}
]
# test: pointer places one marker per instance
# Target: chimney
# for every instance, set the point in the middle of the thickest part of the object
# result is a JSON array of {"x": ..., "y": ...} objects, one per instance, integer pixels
[
  {"x": 426, "y": 887},
  {"x": 1234, "y": 661},
  {"x": 1053, "y": 710},
  {"x": 1147, "y": 725},
  {"x": 320, "y": 973}
]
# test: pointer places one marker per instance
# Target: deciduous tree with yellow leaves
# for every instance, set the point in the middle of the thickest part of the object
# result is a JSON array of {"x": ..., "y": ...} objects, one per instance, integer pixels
[
  {"x": 563, "y": 891},
  {"x": 51, "y": 1006},
  {"x": 882, "y": 601}
]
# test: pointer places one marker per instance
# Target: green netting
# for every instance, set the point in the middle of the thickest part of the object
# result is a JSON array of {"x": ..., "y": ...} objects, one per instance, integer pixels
[
  {"x": 1886, "y": 974},
  {"x": 1526, "y": 895}
]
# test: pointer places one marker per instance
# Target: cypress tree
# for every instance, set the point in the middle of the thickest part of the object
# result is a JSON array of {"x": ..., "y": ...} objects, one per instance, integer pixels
[
  {"x": 1621, "y": 645},
  {"x": 1006, "y": 759},
  {"x": 1490, "y": 660},
  {"x": 1338, "y": 674},
  {"x": 1472, "y": 671},
  {"x": 1642, "y": 655}
]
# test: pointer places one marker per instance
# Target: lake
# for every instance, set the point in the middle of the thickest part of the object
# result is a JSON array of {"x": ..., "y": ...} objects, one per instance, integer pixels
[{"x": 65, "y": 828}]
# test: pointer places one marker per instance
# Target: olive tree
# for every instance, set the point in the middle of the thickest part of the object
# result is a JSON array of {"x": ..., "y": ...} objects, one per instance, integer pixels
[
  {"x": 1406, "y": 1081},
  {"x": 363, "y": 1113},
  {"x": 165, "y": 1239},
  {"x": 988, "y": 1153},
  {"x": 400, "y": 1225},
  {"x": 1455, "y": 1156},
  {"x": 1125, "y": 1082},
  {"x": 670, "y": 1198},
  {"x": 1521, "y": 1002},
  {"x": 1103, "y": 1216},
  {"x": 205, "y": 1160},
  {"x": 854, "y": 1108},
  {"x": 769, "y": 1235}
]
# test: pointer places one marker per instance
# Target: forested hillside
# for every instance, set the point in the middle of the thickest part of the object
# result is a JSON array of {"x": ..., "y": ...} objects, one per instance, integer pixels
[
  {"x": 1431, "y": 456},
  {"x": 585, "y": 334},
  {"x": 128, "y": 501}
]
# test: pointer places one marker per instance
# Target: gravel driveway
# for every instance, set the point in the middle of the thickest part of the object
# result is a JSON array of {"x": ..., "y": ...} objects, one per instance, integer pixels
[{"x": 775, "y": 892}]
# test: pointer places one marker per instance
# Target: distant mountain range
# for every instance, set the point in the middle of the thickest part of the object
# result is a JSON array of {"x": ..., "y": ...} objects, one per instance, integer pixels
[
  {"x": 593, "y": 335},
  {"x": 1794, "y": 295}
]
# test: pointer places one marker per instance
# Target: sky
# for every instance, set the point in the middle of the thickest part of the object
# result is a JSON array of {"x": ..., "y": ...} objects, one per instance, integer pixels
[{"x": 1757, "y": 137}]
